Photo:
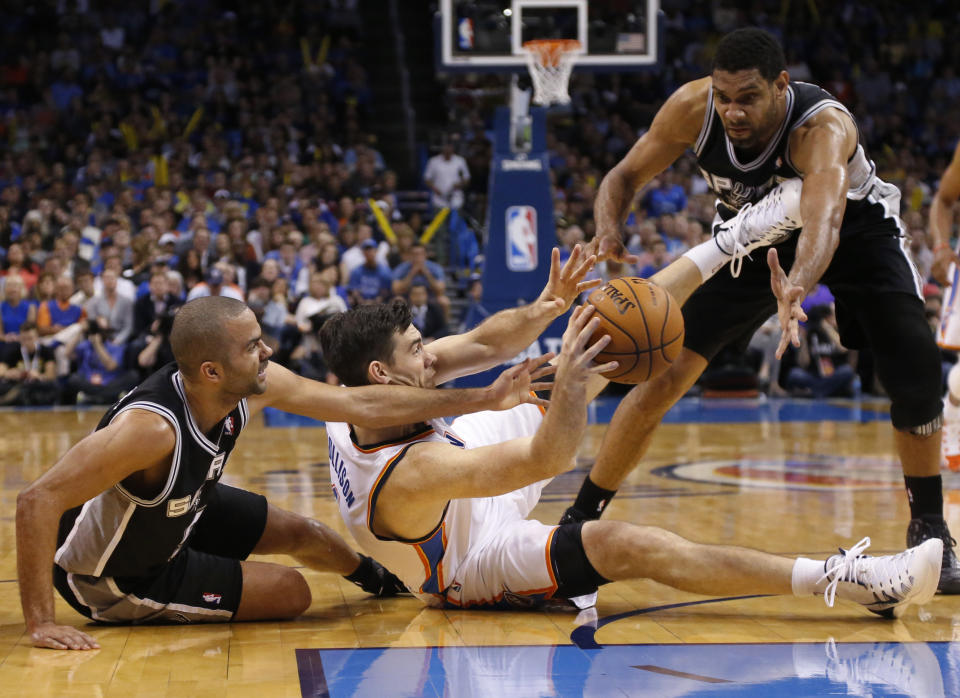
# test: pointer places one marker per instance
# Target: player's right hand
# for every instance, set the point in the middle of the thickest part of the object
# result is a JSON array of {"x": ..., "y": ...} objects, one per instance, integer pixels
[
  {"x": 610, "y": 246},
  {"x": 517, "y": 386},
  {"x": 61, "y": 637},
  {"x": 943, "y": 257},
  {"x": 575, "y": 362}
]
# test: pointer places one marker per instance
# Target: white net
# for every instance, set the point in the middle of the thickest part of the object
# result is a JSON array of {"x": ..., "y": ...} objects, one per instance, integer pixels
[{"x": 550, "y": 62}]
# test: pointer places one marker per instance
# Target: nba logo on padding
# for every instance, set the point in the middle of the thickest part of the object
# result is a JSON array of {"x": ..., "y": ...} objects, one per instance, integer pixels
[
  {"x": 465, "y": 34},
  {"x": 521, "y": 238}
]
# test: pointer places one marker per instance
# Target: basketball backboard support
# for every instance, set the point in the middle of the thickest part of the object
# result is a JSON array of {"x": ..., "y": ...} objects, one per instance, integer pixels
[{"x": 488, "y": 35}]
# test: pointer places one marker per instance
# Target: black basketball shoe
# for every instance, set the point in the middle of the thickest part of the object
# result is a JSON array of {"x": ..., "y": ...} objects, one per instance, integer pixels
[{"x": 925, "y": 528}]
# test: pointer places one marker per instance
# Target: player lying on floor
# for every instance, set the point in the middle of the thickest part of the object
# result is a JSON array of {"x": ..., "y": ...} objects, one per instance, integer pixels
[{"x": 446, "y": 508}]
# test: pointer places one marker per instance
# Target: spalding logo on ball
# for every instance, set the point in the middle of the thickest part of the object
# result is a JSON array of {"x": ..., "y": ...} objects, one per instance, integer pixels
[{"x": 645, "y": 327}]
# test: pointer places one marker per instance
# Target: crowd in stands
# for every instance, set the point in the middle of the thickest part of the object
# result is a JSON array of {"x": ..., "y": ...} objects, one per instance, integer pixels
[{"x": 159, "y": 152}]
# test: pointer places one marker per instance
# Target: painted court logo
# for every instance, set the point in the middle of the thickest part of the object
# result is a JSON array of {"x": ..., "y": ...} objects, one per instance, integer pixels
[
  {"x": 521, "y": 238},
  {"x": 799, "y": 472}
]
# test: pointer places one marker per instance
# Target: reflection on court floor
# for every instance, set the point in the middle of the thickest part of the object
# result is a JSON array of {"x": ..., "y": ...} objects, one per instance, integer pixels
[{"x": 922, "y": 669}]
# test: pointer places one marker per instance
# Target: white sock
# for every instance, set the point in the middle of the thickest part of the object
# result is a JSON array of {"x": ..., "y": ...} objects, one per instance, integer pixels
[
  {"x": 708, "y": 257},
  {"x": 806, "y": 577}
]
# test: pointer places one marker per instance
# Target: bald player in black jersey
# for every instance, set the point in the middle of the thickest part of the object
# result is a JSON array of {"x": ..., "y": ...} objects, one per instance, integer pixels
[
  {"x": 147, "y": 533},
  {"x": 756, "y": 135}
]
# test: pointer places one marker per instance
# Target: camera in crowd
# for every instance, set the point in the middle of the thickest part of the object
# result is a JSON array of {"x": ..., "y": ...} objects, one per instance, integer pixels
[{"x": 94, "y": 328}]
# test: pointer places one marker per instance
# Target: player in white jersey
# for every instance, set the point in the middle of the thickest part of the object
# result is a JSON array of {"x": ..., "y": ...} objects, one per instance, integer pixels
[
  {"x": 445, "y": 508},
  {"x": 947, "y": 271}
]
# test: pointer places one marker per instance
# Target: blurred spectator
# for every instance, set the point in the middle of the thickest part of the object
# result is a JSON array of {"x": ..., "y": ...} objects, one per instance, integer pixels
[
  {"x": 428, "y": 317},
  {"x": 108, "y": 310},
  {"x": 658, "y": 259},
  {"x": 446, "y": 176},
  {"x": 420, "y": 270},
  {"x": 28, "y": 371},
  {"x": 665, "y": 196},
  {"x": 371, "y": 282},
  {"x": 18, "y": 264},
  {"x": 100, "y": 377},
  {"x": 823, "y": 368},
  {"x": 475, "y": 312},
  {"x": 215, "y": 285},
  {"x": 15, "y": 310},
  {"x": 152, "y": 322}
]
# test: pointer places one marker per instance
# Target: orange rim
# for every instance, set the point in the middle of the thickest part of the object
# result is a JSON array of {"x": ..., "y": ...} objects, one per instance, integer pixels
[{"x": 548, "y": 51}]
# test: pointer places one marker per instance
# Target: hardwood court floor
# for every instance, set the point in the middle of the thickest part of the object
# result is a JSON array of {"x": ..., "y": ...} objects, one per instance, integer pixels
[{"x": 790, "y": 487}]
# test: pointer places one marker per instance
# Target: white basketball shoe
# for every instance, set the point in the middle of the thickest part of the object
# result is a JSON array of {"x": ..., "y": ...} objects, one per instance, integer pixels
[
  {"x": 886, "y": 585},
  {"x": 767, "y": 222}
]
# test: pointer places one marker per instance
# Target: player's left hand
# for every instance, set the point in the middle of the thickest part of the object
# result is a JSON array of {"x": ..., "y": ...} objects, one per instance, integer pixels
[
  {"x": 789, "y": 296},
  {"x": 376, "y": 579},
  {"x": 517, "y": 385},
  {"x": 943, "y": 257},
  {"x": 565, "y": 285}
]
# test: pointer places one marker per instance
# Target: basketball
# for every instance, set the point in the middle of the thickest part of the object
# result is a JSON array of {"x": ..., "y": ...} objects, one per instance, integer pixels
[{"x": 645, "y": 327}]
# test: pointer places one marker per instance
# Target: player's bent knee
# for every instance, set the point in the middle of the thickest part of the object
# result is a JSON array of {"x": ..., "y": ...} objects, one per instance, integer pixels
[{"x": 272, "y": 592}]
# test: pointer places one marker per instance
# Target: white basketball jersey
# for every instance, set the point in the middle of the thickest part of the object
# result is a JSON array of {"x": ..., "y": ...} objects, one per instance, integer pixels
[{"x": 429, "y": 564}]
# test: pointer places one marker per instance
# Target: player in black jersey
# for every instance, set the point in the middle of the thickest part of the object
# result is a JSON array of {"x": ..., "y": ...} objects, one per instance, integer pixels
[
  {"x": 147, "y": 533},
  {"x": 754, "y": 132}
]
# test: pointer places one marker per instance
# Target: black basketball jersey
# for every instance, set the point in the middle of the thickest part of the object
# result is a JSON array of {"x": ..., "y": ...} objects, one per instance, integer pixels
[
  {"x": 737, "y": 183},
  {"x": 120, "y": 534}
]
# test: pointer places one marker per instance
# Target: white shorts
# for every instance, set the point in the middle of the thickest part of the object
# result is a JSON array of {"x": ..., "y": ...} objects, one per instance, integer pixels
[
  {"x": 509, "y": 566},
  {"x": 948, "y": 334}
]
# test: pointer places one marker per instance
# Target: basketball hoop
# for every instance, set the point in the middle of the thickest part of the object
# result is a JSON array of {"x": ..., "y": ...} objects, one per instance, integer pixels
[{"x": 550, "y": 62}]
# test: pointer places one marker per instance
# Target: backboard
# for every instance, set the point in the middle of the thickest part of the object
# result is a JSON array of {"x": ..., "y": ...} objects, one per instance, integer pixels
[{"x": 488, "y": 35}]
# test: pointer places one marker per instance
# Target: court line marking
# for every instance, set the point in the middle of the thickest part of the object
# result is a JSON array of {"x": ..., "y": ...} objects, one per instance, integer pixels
[
  {"x": 583, "y": 636},
  {"x": 679, "y": 674}
]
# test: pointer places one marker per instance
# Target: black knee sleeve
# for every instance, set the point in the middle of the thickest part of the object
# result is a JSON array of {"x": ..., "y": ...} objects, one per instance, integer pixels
[
  {"x": 574, "y": 574},
  {"x": 908, "y": 364}
]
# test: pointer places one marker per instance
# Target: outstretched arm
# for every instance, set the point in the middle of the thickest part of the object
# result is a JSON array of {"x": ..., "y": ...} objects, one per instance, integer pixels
[
  {"x": 430, "y": 474},
  {"x": 377, "y": 406},
  {"x": 941, "y": 219},
  {"x": 674, "y": 129},
  {"x": 135, "y": 439},
  {"x": 820, "y": 149},
  {"x": 507, "y": 333}
]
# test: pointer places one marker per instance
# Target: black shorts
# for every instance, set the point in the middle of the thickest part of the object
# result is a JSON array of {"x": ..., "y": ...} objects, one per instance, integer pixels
[
  {"x": 202, "y": 583},
  {"x": 869, "y": 263}
]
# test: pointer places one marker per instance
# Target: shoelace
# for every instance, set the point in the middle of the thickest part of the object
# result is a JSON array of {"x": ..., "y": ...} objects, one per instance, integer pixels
[
  {"x": 845, "y": 569},
  {"x": 739, "y": 251}
]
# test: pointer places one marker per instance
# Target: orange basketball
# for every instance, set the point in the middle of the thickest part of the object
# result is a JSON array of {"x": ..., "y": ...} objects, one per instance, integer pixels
[{"x": 645, "y": 327}]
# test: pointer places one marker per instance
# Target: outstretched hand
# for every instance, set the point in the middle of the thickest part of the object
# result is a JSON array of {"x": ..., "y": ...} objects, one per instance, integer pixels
[
  {"x": 566, "y": 284},
  {"x": 610, "y": 247},
  {"x": 789, "y": 296},
  {"x": 576, "y": 362},
  {"x": 516, "y": 385}
]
